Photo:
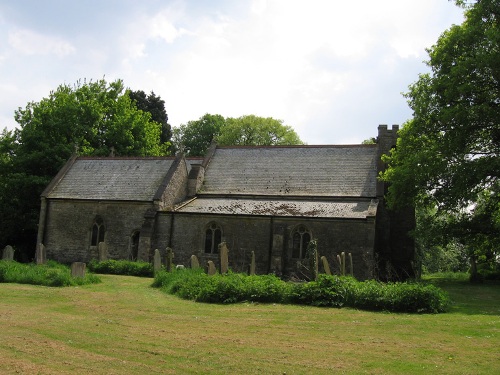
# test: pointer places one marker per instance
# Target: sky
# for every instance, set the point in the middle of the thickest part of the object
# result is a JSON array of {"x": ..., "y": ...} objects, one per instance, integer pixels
[{"x": 333, "y": 70}]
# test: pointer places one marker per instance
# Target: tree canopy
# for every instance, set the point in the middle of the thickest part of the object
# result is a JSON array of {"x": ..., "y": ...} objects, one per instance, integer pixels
[
  {"x": 448, "y": 154},
  {"x": 156, "y": 107},
  {"x": 196, "y": 136},
  {"x": 92, "y": 118}
]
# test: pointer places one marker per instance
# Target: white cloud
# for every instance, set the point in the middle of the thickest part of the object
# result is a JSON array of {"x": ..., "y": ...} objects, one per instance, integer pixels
[
  {"x": 28, "y": 42},
  {"x": 332, "y": 70}
]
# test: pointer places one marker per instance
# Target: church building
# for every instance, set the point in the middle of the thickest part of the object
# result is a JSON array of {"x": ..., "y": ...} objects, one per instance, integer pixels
[{"x": 270, "y": 200}]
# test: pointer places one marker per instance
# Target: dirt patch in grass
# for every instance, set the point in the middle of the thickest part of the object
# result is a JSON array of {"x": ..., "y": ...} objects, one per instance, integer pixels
[{"x": 123, "y": 326}]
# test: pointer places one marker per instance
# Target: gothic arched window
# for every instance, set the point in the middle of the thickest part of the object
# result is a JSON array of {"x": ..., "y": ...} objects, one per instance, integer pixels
[
  {"x": 213, "y": 237},
  {"x": 98, "y": 231},
  {"x": 300, "y": 239}
]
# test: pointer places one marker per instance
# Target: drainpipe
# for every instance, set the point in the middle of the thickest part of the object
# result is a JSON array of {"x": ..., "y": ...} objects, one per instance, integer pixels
[{"x": 41, "y": 222}]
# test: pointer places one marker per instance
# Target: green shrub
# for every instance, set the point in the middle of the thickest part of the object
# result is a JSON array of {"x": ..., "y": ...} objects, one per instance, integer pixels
[
  {"x": 328, "y": 291},
  {"x": 232, "y": 287},
  {"x": 49, "y": 274},
  {"x": 331, "y": 291},
  {"x": 122, "y": 267}
]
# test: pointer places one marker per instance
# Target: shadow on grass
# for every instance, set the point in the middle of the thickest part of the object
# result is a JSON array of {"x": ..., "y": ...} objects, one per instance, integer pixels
[{"x": 468, "y": 298}]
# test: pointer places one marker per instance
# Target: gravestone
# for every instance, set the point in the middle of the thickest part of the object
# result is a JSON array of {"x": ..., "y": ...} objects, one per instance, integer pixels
[
  {"x": 211, "y": 270},
  {"x": 224, "y": 258},
  {"x": 326, "y": 266},
  {"x": 350, "y": 264},
  {"x": 78, "y": 269},
  {"x": 8, "y": 253},
  {"x": 41, "y": 254},
  {"x": 194, "y": 262},
  {"x": 103, "y": 252},
  {"x": 252, "y": 265},
  {"x": 157, "y": 261},
  {"x": 169, "y": 259}
]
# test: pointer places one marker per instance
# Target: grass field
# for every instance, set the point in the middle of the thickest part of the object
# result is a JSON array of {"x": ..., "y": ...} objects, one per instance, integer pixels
[{"x": 123, "y": 326}]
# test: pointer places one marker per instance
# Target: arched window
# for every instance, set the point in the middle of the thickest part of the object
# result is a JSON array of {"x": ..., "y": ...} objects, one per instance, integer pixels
[
  {"x": 134, "y": 245},
  {"x": 213, "y": 237},
  {"x": 98, "y": 231},
  {"x": 300, "y": 239}
]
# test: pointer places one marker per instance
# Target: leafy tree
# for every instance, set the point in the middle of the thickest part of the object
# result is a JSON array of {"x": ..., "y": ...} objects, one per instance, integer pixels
[
  {"x": 257, "y": 131},
  {"x": 449, "y": 153},
  {"x": 156, "y": 106},
  {"x": 91, "y": 117},
  {"x": 195, "y": 136}
]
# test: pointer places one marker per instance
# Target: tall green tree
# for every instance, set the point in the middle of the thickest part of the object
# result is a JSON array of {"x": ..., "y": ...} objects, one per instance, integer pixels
[
  {"x": 93, "y": 118},
  {"x": 156, "y": 107},
  {"x": 449, "y": 153},
  {"x": 252, "y": 130},
  {"x": 196, "y": 136}
]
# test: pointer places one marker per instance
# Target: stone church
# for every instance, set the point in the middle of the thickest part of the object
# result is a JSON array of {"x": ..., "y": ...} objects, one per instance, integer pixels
[{"x": 271, "y": 200}]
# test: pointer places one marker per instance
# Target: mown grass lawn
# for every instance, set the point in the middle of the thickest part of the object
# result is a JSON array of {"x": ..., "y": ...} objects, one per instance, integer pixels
[{"x": 123, "y": 326}]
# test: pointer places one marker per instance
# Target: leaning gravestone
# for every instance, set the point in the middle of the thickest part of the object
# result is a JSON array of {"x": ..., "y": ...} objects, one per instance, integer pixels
[
  {"x": 194, "y": 262},
  {"x": 78, "y": 269},
  {"x": 103, "y": 252},
  {"x": 157, "y": 261},
  {"x": 224, "y": 258},
  {"x": 211, "y": 268},
  {"x": 8, "y": 253},
  {"x": 41, "y": 254},
  {"x": 326, "y": 266}
]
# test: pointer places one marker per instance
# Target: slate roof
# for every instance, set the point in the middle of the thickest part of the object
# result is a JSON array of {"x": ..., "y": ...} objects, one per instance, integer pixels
[
  {"x": 136, "y": 179},
  {"x": 321, "y": 171},
  {"x": 287, "y": 208}
]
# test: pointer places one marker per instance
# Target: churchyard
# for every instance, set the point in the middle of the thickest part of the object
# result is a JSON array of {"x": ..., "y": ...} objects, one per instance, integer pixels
[{"x": 124, "y": 326}]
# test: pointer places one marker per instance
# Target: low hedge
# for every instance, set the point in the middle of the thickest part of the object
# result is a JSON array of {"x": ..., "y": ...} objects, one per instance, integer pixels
[
  {"x": 328, "y": 291},
  {"x": 49, "y": 274},
  {"x": 121, "y": 267}
]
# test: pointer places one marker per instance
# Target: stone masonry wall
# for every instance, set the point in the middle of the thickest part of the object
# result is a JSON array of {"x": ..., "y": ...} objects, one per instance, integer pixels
[
  {"x": 262, "y": 235},
  {"x": 69, "y": 223}
]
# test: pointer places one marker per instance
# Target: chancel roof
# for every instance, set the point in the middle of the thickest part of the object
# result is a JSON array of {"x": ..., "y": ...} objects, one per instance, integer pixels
[
  {"x": 320, "y": 171},
  {"x": 284, "y": 208},
  {"x": 135, "y": 179}
]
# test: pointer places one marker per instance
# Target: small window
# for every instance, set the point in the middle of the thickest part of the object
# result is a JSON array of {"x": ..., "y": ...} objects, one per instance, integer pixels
[
  {"x": 98, "y": 231},
  {"x": 213, "y": 237},
  {"x": 300, "y": 239}
]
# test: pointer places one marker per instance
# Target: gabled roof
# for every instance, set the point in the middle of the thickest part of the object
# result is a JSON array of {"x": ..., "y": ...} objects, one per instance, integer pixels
[
  {"x": 321, "y": 171},
  {"x": 136, "y": 179}
]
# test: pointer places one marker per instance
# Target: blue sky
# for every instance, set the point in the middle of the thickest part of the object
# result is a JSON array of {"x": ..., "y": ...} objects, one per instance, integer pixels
[{"x": 333, "y": 70}]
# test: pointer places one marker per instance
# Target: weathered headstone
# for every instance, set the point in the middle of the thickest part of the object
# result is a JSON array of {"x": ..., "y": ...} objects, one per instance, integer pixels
[
  {"x": 194, "y": 262},
  {"x": 103, "y": 252},
  {"x": 169, "y": 259},
  {"x": 157, "y": 261},
  {"x": 312, "y": 250},
  {"x": 350, "y": 264},
  {"x": 41, "y": 254},
  {"x": 326, "y": 266},
  {"x": 252, "y": 265},
  {"x": 8, "y": 253},
  {"x": 342, "y": 256},
  {"x": 78, "y": 269},
  {"x": 211, "y": 270},
  {"x": 224, "y": 258}
]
